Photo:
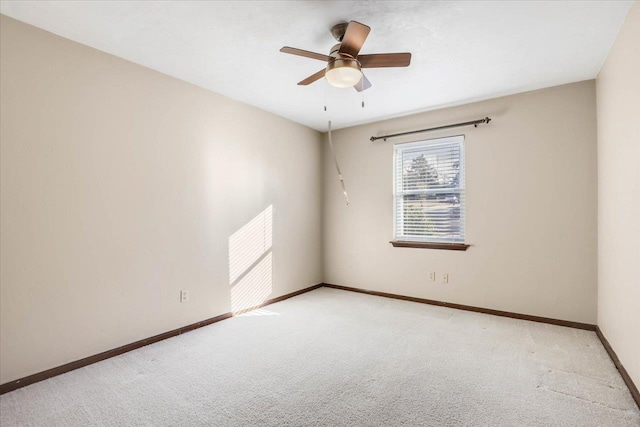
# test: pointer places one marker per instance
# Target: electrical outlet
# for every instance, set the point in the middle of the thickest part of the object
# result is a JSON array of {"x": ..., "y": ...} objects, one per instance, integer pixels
[
  {"x": 184, "y": 296},
  {"x": 432, "y": 276},
  {"x": 445, "y": 277}
]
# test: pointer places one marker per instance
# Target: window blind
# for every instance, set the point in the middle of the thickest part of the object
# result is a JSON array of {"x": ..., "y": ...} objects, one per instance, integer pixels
[{"x": 429, "y": 190}]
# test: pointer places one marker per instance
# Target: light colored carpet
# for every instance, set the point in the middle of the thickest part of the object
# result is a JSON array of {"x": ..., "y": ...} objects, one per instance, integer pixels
[{"x": 336, "y": 358}]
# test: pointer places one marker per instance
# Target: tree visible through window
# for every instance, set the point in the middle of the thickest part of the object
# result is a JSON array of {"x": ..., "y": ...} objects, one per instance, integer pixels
[{"x": 429, "y": 190}]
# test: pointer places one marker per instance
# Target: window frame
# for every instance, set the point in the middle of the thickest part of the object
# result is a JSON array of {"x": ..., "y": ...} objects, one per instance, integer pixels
[{"x": 398, "y": 207}]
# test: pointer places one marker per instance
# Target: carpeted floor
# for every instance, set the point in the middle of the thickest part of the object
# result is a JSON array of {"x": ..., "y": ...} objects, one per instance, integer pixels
[{"x": 336, "y": 358}]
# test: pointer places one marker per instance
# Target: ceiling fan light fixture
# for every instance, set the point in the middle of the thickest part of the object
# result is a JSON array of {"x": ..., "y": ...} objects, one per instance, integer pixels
[{"x": 343, "y": 72}]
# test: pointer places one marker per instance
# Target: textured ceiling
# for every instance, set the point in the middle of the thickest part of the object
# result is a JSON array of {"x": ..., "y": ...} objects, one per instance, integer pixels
[{"x": 462, "y": 51}]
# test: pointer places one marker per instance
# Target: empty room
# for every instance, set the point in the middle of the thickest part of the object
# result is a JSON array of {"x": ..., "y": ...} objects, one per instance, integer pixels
[{"x": 319, "y": 213}]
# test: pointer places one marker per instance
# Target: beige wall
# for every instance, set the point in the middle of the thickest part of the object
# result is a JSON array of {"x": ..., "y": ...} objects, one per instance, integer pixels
[
  {"x": 618, "y": 94},
  {"x": 120, "y": 186},
  {"x": 531, "y": 208}
]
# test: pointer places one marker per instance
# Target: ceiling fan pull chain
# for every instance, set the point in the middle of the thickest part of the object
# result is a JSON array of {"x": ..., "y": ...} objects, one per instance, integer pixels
[{"x": 325, "y": 97}]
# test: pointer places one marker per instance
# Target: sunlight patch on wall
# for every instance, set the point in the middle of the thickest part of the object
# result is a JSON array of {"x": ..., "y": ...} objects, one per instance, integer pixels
[
  {"x": 249, "y": 243},
  {"x": 251, "y": 262},
  {"x": 254, "y": 287}
]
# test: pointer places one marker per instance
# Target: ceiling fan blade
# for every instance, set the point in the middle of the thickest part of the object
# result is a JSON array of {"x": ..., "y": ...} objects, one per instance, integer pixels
[
  {"x": 354, "y": 38},
  {"x": 306, "y": 53},
  {"x": 312, "y": 78},
  {"x": 363, "y": 84},
  {"x": 380, "y": 60}
]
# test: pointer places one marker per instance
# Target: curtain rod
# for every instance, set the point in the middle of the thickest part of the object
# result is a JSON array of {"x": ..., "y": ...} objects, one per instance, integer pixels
[{"x": 475, "y": 123}]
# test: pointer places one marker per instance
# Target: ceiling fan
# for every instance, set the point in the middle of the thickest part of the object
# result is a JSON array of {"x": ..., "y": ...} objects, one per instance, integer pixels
[{"x": 344, "y": 63}]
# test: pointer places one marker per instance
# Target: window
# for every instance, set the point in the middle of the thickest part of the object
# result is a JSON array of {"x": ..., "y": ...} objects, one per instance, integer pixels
[{"x": 429, "y": 192}]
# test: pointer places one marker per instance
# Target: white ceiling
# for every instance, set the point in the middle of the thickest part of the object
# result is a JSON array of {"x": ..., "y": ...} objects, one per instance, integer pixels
[{"x": 462, "y": 50}]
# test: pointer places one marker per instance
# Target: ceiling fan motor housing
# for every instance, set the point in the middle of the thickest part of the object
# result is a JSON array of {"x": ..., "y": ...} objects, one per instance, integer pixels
[
  {"x": 341, "y": 58},
  {"x": 334, "y": 50}
]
